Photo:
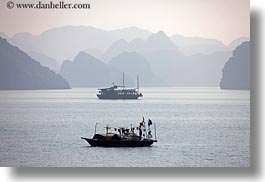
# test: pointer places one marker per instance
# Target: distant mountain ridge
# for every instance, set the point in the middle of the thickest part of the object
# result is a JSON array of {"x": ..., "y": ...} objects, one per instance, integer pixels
[
  {"x": 88, "y": 71},
  {"x": 65, "y": 42},
  {"x": 18, "y": 71},
  {"x": 171, "y": 66},
  {"x": 155, "y": 42},
  {"x": 173, "y": 60}
]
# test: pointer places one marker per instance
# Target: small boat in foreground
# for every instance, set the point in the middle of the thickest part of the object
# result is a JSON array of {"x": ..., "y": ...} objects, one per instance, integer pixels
[{"x": 124, "y": 137}]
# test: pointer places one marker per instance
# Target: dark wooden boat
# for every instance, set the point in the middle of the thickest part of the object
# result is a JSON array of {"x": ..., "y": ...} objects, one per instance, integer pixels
[
  {"x": 119, "y": 143},
  {"x": 124, "y": 138}
]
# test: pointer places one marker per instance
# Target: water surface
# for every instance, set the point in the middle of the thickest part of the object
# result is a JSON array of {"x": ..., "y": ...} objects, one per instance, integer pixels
[{"x": 196, "y": 127}]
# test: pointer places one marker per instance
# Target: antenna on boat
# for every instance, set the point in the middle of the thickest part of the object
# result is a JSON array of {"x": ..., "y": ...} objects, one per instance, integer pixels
[
  {"x": 123, "y": 85},
  {"x": 137, "y": 83},
  {"x": 155, "y": 130},
  {"x": 96, "y": 128}
]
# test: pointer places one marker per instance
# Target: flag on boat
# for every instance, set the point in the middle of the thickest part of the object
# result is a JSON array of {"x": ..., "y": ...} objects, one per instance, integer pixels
[{"x": 150, "y": 122}]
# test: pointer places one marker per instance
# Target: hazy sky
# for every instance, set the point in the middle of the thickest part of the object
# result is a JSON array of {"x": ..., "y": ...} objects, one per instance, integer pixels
[{"x": 224, "y": 20}]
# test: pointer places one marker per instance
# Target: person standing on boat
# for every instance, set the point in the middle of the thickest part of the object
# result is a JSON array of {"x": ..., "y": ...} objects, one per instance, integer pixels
[
  {"x": 140, "y": 132},
  {"x": 141, "y": 128}
]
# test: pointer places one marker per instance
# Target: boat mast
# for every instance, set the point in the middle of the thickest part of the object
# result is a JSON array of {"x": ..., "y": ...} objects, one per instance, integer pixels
[
  {"x": 137, "y": 83},
  {"x": 96, "y": 128},
  {"x": 155, "y": 130},
  {"x": 123, "y": 85}
]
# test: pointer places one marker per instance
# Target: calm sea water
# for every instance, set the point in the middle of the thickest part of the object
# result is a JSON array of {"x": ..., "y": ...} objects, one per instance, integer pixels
[{"x": 195, "y": 127}]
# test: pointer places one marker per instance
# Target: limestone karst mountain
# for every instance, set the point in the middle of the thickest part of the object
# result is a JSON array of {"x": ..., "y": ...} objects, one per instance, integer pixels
[
  {"x": 86, "y": 71},
  {"x": 18, "y": 71},
  {"x": 236, "y": 72}
]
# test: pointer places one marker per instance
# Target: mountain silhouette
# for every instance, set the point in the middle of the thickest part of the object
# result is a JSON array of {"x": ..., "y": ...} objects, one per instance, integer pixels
[
  {"x": 160, "y": 41},
  {"x": 86, "y": 71},
  {"x": 65, "y": 42},
  {"x": 18, "y": 71},
  {"x": 170, "y": 66},
  {"x": 236, "y": 72},
  {"x": 175, "y": 61},
  {"x": 157, "y": 41}
]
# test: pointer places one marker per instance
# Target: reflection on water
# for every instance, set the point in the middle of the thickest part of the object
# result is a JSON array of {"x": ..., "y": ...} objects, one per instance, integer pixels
[{"x": 195, "y": 127}]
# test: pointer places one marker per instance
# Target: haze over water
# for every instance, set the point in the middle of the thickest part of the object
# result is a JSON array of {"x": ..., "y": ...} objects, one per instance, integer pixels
[{"x": 201, "y": 127}]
